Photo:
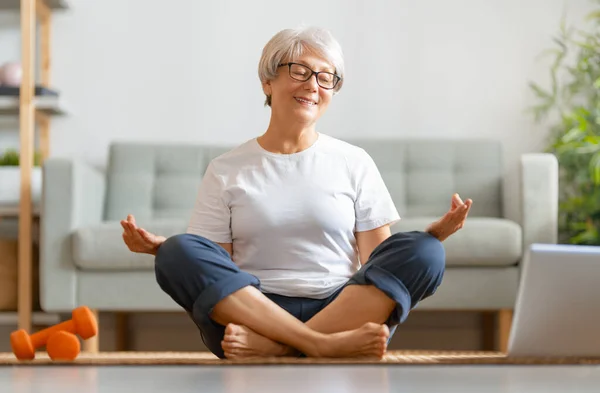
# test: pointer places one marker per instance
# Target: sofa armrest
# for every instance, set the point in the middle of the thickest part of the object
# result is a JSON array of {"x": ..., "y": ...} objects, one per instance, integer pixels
[
  {"x": 539, "y": 198},
  {"x": 73, "y": 197}
]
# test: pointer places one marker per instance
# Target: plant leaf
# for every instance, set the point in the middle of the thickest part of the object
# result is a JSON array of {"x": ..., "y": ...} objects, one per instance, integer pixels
[
  {"x": 539, "y": 91},
  {"x": 593, "y": 15},
  {"x": 571, "y": 135},
  {"x": 595, "y": 168}
]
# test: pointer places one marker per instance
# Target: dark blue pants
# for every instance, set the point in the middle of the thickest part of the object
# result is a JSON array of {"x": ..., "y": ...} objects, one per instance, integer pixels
[{"x": 197, "y": 273}]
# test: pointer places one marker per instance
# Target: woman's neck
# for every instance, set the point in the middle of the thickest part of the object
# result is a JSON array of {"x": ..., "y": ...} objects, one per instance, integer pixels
[{"x": 288, "y": 138}]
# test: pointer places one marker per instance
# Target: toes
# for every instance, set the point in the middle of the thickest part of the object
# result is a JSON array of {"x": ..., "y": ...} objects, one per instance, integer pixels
[
  {"x": 383, "y": 347},
  {"x": 385, "y": 330},
  {"x": 376, "y": 347},
  {"x": 240, "y": 341},
  {"x": 229, "y": 355},
  {"x": 230, "y": 329},
  {"x": 231, "y": 345},
  {"x": 378, "y": 351},
  {"x": 238, "y": 353},
  {"x": 229, "y": 337},
  {"x": 232, "y": 352},
  {"x": 235, "y": 330},
  {"x": 371, "y": 326},
  {"x": 379, "y": 329}
]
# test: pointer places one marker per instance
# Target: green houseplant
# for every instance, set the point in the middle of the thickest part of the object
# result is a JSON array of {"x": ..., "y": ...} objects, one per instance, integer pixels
[
  {"x": 11, "y": 158},
  {"x": 10, "y": 178},
  {"x": 571, "y": 104}
]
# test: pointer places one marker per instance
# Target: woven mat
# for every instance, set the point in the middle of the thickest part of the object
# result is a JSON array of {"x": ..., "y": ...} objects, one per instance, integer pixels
[{"x": 205, "y": 358}]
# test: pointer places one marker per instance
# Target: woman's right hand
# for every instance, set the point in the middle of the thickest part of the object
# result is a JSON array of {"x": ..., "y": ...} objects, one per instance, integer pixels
[{"x": 138, "y": 239}]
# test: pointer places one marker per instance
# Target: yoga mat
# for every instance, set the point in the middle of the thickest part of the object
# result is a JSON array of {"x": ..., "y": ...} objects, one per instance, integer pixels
[{"x": 206, "y": 358}]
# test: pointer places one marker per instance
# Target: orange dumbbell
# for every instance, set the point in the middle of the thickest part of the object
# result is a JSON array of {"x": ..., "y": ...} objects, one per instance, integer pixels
[
  {"x": 63, "y": 346},
  {"x": 83, "y": 323}
]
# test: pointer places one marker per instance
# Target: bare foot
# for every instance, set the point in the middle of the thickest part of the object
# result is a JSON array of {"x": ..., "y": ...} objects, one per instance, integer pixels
[
  {"x": 370, "y": 340},
  {"x": 241, "y": 342}
]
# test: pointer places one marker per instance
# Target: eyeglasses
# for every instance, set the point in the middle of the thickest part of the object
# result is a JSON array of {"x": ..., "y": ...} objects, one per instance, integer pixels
[{"x": 302, "y": 73}]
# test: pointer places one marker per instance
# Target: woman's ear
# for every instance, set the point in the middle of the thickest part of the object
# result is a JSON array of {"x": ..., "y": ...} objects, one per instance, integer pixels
[{"x": 267, "y": 88}]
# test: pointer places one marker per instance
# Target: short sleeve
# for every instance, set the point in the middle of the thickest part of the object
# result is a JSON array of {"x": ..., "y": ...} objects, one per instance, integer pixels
[
  {"x": 211, "y": 217},
  {"x": 373, "y": 206}
]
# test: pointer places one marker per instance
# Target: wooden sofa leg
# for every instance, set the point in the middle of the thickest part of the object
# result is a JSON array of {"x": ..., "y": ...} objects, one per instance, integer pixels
[
  {"x": 488, "y": 330},
  {"x": 92, "y": 345},
  {"x": 121, "y": 331},
  {"x": 505, "y": 317}
]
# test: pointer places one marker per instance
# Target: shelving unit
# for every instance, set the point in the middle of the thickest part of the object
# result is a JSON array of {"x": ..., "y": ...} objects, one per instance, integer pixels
[
  {"x": 31, "y": 110},
  {"x": 13, "y": 211},
  {"x": 51, "y": 4},
  {"x": 46, "y": 105},
  {"x": 37, "y": 318}
]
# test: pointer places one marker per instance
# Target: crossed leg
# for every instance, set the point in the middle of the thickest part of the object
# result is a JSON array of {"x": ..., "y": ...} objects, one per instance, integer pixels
[
  {"x": 352, "y": 325},
  {"x": 255, "y": 325},
  {"x": 356, "y": 308},
  {"x": 402, "y": 271}
]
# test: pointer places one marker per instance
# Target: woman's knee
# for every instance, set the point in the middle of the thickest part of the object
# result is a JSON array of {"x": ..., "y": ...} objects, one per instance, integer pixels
[
  {"x": 178, "y": 259},
  {"x": 420, "y": 263},
  {"x": 429, "y": 254},
  {"x": 413, "y": 257},
  {"x": 173, "y": 249},
  {"x": 186, "y": 264},
  {"x": 180, "y": 251}
]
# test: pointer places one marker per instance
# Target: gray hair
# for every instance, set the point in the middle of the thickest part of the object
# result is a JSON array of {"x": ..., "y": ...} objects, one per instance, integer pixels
[{"x": 292, "y": 43}]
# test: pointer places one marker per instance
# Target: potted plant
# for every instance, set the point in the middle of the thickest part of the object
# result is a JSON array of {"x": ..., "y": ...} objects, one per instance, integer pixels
[
  {"x": 10, "y": 178},
  {"x": 572, "y": 106}
]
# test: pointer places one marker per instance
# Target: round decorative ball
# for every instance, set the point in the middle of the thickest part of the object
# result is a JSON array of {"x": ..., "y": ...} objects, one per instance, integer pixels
[{"x": 11, "y": 74}]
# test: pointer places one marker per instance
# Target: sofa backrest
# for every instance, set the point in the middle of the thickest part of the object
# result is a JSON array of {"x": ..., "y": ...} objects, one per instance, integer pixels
[
  {"x": 154, "y": 181},
  {"x": 422, "y": 175}
]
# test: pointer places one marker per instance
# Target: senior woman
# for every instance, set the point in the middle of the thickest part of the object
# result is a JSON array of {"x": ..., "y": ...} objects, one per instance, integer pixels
[{"x": 289, "y": 249}]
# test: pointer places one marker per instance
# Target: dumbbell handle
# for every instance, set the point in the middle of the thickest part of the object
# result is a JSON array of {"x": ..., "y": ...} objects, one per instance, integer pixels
[{"x": 40, "y": 338}]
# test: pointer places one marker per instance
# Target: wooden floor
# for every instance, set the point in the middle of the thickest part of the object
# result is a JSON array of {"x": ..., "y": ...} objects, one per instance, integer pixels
[
  {"x": 300, "y": 378},
  {"x": 207, "y": 358}
]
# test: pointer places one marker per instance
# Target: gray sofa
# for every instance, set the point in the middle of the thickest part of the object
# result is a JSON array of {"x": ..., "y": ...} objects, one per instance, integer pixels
[{"x": 83, "y": 260}]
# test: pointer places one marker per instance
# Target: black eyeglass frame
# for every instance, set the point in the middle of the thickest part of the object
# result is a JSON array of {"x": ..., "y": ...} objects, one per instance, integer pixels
[{"x": 337, "y": 78}]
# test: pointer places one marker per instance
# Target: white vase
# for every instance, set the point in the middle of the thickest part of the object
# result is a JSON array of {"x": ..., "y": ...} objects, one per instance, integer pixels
[{"x": 10, "y": 185}]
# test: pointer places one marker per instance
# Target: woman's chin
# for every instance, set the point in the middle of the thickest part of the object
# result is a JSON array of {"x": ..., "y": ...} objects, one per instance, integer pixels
[{"x": 304, "y": 115}]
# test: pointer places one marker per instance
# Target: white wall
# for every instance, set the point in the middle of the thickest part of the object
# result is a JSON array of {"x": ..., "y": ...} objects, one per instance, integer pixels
[{"x": 185, "y": 70}]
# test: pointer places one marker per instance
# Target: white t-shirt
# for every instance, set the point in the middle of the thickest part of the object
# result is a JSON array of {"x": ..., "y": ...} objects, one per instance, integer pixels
[{"x": 292, "y": 217}]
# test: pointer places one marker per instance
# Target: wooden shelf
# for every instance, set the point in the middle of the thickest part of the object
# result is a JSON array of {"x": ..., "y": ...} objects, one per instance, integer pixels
[
  {"x": 13, "y": 211},
  {"x": 38, "y": 318},
  {"x": 34, "y": 114},
  {"x": 9, "y": 223},
  {"x": 16, "y": 4},
  {"x": 50, "y": 105}
]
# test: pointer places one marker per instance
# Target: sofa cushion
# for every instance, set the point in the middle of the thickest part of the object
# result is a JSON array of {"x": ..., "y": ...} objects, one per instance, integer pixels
[
  {"x": 101, "y": 247},
  {"x": 483, "y": 241}
]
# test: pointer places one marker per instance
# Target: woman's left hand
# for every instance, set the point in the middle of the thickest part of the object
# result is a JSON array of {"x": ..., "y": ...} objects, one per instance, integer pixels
[{"x": 452, "y": 221}]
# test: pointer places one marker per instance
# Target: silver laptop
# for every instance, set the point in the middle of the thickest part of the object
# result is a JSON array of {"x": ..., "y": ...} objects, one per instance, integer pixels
[{"x": 557, "y": 312}]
